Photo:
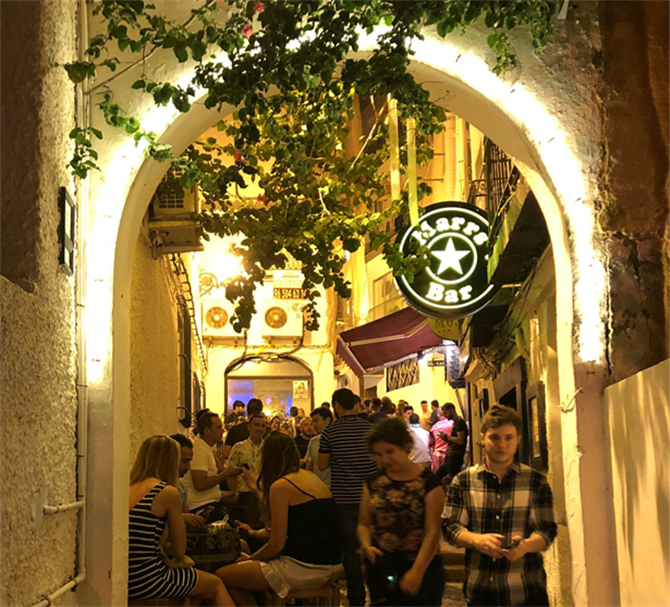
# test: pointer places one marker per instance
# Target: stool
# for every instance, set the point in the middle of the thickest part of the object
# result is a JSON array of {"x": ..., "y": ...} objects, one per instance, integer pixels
[
  {"x": 157, "y": 602},
  {"x": 326, "y": 596}
]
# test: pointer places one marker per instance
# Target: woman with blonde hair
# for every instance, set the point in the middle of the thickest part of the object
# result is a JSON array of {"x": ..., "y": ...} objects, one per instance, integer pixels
[{"x": 155, "y": 502}]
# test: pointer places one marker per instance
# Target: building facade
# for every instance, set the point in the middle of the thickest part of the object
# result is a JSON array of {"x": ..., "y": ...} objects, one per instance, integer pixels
[{"x": 585, "y": 345}]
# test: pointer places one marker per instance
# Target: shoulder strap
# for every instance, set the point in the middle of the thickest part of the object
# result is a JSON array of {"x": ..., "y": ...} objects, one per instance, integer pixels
[
  {"x": 299, "y": 489},
  {"x": 155, "y": 491}
]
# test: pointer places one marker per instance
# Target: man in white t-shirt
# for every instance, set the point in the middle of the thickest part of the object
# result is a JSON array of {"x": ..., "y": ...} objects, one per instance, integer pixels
[
  {"x": 202, "y": 482},
  {"x": 420, "y": 453},
  {"x": 321, "y": 418},
  {"x": 247, "y": 453}
]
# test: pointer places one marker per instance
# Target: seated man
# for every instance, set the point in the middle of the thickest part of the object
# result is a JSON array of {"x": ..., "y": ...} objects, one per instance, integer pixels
[
  {"x": 186, "y": 446},
  {"x": 203, "y": 479},
  {"x": 247, "y": 454}
]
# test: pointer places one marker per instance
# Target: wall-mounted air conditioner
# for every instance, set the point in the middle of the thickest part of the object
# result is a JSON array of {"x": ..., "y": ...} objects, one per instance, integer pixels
[
  {"x": 281, "y": 319},
  {"x": 171, "y": 201},
  {"x": 216, "y": 315}
]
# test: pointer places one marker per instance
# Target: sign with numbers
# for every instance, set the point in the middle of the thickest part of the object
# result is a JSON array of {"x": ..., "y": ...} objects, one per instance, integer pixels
[{"x": 455, "y": 282}]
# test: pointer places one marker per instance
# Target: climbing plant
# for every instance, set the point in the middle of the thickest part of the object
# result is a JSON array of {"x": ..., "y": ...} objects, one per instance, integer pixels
[{"x": 291, "y": 71}]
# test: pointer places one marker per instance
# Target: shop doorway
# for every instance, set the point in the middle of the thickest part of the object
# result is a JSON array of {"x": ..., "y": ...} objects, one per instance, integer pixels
[{"x": 279, "y": 383}]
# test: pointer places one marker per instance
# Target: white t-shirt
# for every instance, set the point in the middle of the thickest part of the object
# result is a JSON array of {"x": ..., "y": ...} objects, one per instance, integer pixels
[
  {"x": 313, "y": 456},
  {"x": 420, "y": 453},
  {"x": 203, "y": 459}
]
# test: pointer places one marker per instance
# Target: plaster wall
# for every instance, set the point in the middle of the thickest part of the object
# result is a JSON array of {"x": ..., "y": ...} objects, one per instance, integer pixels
[
  {"x": 38, "y": 372},
  {"x": 639, "y": 426},
  {"x": 154, "y": 350}
]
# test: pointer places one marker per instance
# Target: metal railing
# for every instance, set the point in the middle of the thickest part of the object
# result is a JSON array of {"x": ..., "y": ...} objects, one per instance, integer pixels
[
  {"x": 387, "y": 307},
  {"x": 502, "y": 177}
]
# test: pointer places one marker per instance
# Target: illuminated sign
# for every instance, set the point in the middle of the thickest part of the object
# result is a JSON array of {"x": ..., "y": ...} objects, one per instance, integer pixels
[{"x": 455, "y": 282}]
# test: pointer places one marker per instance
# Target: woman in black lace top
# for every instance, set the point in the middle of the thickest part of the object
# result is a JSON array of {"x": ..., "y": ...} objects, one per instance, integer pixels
[{"x": 399, "y": 524}]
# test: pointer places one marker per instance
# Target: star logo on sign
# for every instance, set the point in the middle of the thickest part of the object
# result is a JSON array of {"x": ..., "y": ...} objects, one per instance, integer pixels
[{"x": 450, "y": 258}]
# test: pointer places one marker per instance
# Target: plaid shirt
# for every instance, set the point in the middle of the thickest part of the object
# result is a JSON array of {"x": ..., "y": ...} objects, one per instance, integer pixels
[{"x": 519, "y": 505}]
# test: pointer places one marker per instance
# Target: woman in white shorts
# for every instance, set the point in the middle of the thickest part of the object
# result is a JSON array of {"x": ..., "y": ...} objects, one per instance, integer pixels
[{"x": 302, "y": 551}]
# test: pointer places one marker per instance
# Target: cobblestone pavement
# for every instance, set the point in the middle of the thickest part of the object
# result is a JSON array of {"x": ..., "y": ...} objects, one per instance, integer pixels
[{"x": 453, "y": 595}]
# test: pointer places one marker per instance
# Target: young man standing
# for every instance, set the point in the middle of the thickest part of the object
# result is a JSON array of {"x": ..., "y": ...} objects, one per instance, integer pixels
[
  {"x": 343, "y": 448},
  {"x": 321, "y": 418},
  {"x": 456, "y": 444},
  {"x": 306, "y": 433},
  {"x": 202, "y": 481},
  {"x": 240, "y": 431},
  {"x": 420, "y": 453},
  {"x": 247, "y": 453},
  {"x": 501, "y": 512},
  {"x": 435, "y": 414}
]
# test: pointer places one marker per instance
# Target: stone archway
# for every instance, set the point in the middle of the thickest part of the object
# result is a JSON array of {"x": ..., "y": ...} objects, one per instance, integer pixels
[{"x": 518, "y": 119}]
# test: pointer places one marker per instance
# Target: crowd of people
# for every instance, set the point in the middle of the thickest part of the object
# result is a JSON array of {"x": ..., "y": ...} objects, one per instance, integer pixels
[{"x": 364, "y": 488}]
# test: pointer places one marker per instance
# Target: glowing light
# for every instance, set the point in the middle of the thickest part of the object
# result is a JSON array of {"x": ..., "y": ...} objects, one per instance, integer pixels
[
  {"x": 522, "y": 107},
  {"x": 555, "y": 151}
]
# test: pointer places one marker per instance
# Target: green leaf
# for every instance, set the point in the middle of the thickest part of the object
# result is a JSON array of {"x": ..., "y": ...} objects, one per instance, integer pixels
[
  {"x": 96, "y": 132},
  {"x": 180, "y": 52},
  {"x": 111, "y": 63},
  {"x": 132, "y": 125},
  {"x": 78, "y": 71}
]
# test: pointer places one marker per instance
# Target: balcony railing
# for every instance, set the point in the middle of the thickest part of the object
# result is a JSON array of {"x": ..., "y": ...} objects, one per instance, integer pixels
[
  {"x": 386, "y": 307},
  {"x": 501, "y": 177}
]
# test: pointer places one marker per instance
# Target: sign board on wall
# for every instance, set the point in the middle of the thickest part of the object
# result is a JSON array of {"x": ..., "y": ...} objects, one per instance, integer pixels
[
  {"x": 301, "y": 395},
  {"x": 455, "y": 282},
  {"x": 287, "y": 284}
]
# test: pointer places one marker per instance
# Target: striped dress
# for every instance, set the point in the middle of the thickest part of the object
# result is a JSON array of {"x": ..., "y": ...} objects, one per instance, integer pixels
[{"x": 148, "y": 575}]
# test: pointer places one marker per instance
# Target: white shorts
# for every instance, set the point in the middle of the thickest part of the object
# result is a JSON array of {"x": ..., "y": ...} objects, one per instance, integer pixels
[{"x": 285, "y": 574}]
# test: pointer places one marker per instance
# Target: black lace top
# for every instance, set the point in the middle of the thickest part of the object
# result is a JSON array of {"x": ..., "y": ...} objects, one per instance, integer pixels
[{"x": 398, "y": 511}]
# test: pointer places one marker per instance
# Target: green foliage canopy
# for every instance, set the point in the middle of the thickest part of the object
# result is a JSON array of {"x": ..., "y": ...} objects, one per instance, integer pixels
[{"x": 291, "y": 70}]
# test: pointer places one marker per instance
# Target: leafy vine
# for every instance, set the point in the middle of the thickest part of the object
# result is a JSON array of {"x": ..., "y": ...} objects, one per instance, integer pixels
[{"x": 292, "y": 71}]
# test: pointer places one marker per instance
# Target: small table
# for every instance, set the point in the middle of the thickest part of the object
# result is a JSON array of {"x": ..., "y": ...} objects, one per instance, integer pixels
[{"x": 218, "y": 545}]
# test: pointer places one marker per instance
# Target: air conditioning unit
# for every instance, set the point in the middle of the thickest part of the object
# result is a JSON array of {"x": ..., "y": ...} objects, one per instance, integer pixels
[
  {"x": 281, "y": 320},
  {"x": 174, "y": 224},
  {"x": 171, "y": 201},
  {"x": 216, "y": 315}
]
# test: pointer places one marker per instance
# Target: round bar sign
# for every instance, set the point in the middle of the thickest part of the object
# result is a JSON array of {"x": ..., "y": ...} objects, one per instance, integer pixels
[{"x": 455, "y": 283}]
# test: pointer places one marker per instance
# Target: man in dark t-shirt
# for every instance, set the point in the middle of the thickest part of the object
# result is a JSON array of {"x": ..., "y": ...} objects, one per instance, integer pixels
[
  {"x": 240, "y": 432},
  {"x": 456, "y": 444},
  {"x": 344, "y": 450},
  {"x": 306, "y": 434}
]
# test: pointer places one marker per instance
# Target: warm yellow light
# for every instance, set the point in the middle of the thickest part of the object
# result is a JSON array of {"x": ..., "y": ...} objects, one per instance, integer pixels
[{"x": 523, "y": 109}]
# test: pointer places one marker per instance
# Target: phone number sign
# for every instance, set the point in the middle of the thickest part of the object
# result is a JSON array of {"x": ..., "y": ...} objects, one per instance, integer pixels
[{"x": 455, "y": 282}]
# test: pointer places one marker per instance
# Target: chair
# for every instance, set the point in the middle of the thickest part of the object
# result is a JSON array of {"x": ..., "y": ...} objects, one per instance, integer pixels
[{"x": 326, "y": 596}]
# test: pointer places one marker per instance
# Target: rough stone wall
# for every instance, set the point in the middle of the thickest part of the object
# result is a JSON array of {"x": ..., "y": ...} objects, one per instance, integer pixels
[
  {"x": 154, "y": 351},
  {"x": 635, "y": 212},
  {"x": 38, "y": 371}
]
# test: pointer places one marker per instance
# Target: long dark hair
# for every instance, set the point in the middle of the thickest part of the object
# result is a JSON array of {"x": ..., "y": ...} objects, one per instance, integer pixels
[{"x": 279, "y": 457}]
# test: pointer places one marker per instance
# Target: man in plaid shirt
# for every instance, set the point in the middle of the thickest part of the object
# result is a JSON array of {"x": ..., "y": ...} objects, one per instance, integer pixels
[{"x": 501, "y": 513}]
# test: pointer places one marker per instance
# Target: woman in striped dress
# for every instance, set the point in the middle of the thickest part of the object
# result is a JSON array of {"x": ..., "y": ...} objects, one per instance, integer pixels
[{"x": 155, "y": 501}]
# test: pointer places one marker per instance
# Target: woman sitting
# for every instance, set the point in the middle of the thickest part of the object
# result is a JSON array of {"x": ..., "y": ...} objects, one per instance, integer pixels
[
  {"x": 399, "y": 524},
  {"x": 155, "y": 501},
  {"x": 302, "y": 550}
]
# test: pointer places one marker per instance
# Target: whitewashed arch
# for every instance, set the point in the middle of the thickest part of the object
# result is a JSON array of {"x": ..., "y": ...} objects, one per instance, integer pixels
[{"x": 520, "y": 122}]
